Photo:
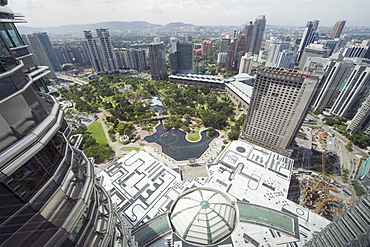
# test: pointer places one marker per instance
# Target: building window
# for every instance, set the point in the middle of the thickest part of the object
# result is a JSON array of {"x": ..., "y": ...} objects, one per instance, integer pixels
[
  {"x": 7, "y": 60},
  {"x": 27, "y": 179},
  {"x": 10, "y": 35},
  {"x": 40, "y": 86}
]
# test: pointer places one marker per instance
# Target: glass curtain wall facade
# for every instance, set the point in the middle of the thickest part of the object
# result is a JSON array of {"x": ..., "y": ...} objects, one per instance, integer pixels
[{"x": 49, "y": 195}]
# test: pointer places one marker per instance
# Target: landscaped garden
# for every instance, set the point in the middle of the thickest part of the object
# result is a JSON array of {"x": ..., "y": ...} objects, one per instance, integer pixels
[{"x": 126, "y": 101}]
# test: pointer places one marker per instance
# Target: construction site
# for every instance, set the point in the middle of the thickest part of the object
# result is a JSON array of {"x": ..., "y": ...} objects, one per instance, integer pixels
[{"x": 322, "y": 189}]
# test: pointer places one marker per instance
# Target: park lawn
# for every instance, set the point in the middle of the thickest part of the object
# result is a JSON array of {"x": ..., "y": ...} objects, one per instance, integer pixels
[
  {"x": 194, "y": 136},
  {"x": 128, "y": 149},
  {"x": 97, "y": 132}
]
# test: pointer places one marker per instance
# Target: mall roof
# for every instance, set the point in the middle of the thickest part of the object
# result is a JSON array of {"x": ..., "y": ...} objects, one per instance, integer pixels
[{"x": 203, "y": 216}]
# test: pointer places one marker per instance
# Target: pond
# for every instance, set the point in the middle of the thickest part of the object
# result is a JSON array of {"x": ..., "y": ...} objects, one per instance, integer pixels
[{"x": 175, "y": 145}]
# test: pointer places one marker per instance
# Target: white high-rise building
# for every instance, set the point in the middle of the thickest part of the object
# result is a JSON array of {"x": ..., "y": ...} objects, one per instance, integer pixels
[
  {"x": 246, "y": 64},
  {"x": 335, "y": 74},
  {"x": 221, "y": 57},
  {"x": 274, "y": 53},
  {"x": 362, "y": 118},
  {"x": 354, "y": 92},
  {"x": 173, "y": 42}
]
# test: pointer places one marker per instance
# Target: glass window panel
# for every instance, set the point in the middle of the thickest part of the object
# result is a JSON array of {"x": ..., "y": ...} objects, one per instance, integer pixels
[
  {"x": 44, "y": 196},
  {"x": 9, "y": 202},
  {"x": 40, "y": 86},
  {"x": 48, "y": 157},
  {"x": 13, "y": 33},
  {"x": 7, "y": 87},
  {"x": 7, "y": 38},
  {"x": 61, "y": 173},
  {"x": 18, "y": 221},
  {"x": 6, "y": 58},
  {"x": 19, "y": 79},
  {"x": 27, "y": 179}
]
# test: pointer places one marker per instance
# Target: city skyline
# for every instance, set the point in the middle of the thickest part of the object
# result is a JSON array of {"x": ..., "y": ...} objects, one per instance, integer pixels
[{"x": 233, "y": 13}]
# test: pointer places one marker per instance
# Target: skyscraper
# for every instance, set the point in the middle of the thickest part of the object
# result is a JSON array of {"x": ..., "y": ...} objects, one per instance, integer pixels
[
  {"x": 275, "y": 49},
  {"x": 107, "y": 50},
  {"x": 353, "y": 93},
  {"x": 230, "y": 57},
  {"x": 158, "y": 69},
  {"x": 207, "y": 47},
  {"x": 246, "y": 64},
  {"x": 338, "y": 28},
  {"x": 313, "y": 50},
  {"x": 279, "y": 104},
  {"x": 49, "y": 195},
  {"x": 63, "y": 54},
  {"x": 40, "y": 56},
  {"x": 335, "y": 73},
  {"x": 173, "y": 42},
  {"x": 181, "y": 61},
  {"x": 224, "y": 44},
  {"x": 93, "y": 51},
  {"x": 351, "y": 229},
  {"x": 48, "y": 47},
  {"x": 80, "y": 55},
  {"x": 308, "y": 37},
  {"x": 254, "y": 34},
  {"x": 356, "y": 51},
  {"x": 361, "y": 120}
]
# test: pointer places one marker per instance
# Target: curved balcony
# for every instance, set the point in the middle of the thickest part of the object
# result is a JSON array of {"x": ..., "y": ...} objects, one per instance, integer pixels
[{"x": 21, "y": 126}]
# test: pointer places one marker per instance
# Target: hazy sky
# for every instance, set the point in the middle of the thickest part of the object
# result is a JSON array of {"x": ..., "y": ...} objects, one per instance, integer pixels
[{"x": 48, "y": 13}]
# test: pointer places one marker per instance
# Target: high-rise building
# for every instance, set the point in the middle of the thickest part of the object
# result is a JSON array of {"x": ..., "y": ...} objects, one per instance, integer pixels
[
  {"x": 158, "y": 69},
  {"x": 285, "y": 59},
  {"x": 181, "y": 61},
  {"x": 41, "y": 45},
  {"x": 105, "y": 44},
  {"x": 221, "y": 57},
  {"x": 224, "y": 44},
  {"x": 356, "y": 51},
  {"x": 332, "y": 44},
  {"x": 336, "y": 72},
  {"x": 274, "y": 53},
  {"x": 361, "y": 120},
  {"x": 246, "y": 64},
  {"x": 351, "y": 229},
  {"x": 131, "y": 58},
  {"x": 254, "y": 34},
  {"x": 40, "y": 56},
  {"x": 63, "y": 54},
  {"x": 353, "y": 93},
  {"x": 338, "y": 28},
  {"x": 173, "y": 42},
  {"x": 48, "y": 47},
  {"x": 230, "y": 57},
  {"x": 94, "y": 53},
  {"x": 49, "y": 195},
  {"x": 308, "y": 37},
  {"x": 313, "y": 50},
  {"x": 207, "y": 47},
  {"x": 80, "y": 55},
  {"x": 157, "y": 39},
  {"x": 279, "y": 104}
]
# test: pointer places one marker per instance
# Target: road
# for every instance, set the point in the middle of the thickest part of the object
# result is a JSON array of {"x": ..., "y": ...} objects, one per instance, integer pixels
[
  {"x": 70, "y": 78},
  {"x": 346, "y": 158}
]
